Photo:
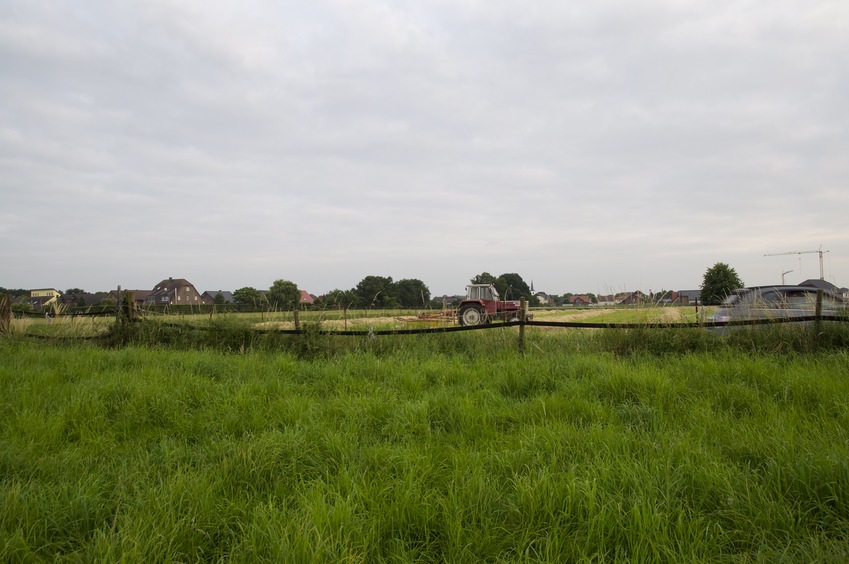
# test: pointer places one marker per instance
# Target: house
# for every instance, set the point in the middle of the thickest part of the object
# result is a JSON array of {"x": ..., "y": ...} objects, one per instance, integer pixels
[
  {"x": 607, "y": 300},
  {"x": 42, "y": 297},
  {"x": 84, "y": 299},
  {"x": 580, "y": 301},
  {"x": 632, "y": 298},
  {"x": 686, "y": 296},
  {"x": 544, "y": 299},
  {"x": 173, "y": 291},
  {"x": 208, "y": 297},
  {"x": 306, "y": 298},
  {"x": 140, "y": 296}
]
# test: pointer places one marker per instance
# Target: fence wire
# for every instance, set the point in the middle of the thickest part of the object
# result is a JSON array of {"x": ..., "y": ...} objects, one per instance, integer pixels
[{"x": 372, "y": 332}]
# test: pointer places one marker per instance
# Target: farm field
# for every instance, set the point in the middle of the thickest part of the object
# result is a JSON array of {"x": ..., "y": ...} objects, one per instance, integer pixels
[
  {"x": 355, "y": 320},
  {"x": 440, "y": 448}
]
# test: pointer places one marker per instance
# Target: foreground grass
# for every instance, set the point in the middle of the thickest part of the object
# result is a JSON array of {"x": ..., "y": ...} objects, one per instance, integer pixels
[{"x": 426, "y": 453}]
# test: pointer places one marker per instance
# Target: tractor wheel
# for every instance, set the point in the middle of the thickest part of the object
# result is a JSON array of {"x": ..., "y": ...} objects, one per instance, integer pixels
[{"x": 471, "y": 315}]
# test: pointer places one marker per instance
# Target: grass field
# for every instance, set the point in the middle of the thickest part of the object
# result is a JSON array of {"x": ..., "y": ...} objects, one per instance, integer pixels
[{"x": 446, "y": 448}]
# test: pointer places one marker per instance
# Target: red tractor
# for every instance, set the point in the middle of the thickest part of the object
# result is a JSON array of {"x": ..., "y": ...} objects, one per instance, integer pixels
[{"x": 482, "y": 305}]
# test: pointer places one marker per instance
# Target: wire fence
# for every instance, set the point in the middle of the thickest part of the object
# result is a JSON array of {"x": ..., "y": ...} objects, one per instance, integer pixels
[{"x": 130, "y": 313}]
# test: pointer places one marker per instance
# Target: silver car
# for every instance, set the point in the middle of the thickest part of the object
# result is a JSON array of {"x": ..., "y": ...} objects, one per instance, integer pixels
[{"x": 776, "y": 302}]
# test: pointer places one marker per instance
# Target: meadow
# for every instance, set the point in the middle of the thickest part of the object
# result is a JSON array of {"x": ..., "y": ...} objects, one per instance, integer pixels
[{"x": 593, "y": 446}]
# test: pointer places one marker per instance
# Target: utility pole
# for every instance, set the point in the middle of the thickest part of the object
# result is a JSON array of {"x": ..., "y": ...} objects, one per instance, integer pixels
[
  {"x": 819, "y": 252},
  {"x": 782, "y": 275}
]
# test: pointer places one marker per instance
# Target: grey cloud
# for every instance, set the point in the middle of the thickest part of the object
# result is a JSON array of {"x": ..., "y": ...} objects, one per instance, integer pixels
[{"x": 587, "y": 142}]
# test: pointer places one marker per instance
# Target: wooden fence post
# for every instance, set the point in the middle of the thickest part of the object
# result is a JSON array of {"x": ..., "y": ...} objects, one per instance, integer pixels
[
  {"x": 297, "y": 319},
  {"x": 128, "y": 306},
  {"x": 522, "y": 315},
  {"x": 5, "y": 314},
  {"x": 818, "y": 313}
]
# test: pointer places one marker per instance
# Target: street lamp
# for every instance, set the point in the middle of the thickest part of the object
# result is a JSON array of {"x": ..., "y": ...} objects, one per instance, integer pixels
[{"x": 782, "y": 275}]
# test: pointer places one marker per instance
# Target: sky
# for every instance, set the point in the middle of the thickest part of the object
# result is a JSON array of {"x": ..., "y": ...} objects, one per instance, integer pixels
[{"x": 589, "y": 146}]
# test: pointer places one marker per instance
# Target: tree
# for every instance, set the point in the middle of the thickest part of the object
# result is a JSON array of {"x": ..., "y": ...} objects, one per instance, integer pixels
[
  {"x": 719, "y": 281},
  {"x": 511, "y": 286},
  {"x": 14, "y": 292},
  {"x": 411, "y": 293},
  {"x": 248, "y": 296},
  {"x": 338, "y": 299},
  {"x": 484, "y": 278},
  {"x": 284, "y": 294},
  {"x": 218, "y": 299},
  {"x": 375, "y": 291}
]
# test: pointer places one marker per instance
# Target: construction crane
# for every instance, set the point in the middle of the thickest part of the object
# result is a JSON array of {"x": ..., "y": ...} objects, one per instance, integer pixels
[{"x": 819, "y": 252}]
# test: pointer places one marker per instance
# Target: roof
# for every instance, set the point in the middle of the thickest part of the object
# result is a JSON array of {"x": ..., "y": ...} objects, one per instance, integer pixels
[
  {"x": 226, "y": 294},
  {"x": 87, "y": 298},
  {"x": 140, "y": 294},
  {"x": 165, "y": 288},
  {"x": 170, "y": 283},
  {"x": 306, "y": 298}
]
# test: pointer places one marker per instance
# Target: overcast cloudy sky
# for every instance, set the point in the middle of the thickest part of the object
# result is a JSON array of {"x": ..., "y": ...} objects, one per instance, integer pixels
[{"x": 588, "y": 145}]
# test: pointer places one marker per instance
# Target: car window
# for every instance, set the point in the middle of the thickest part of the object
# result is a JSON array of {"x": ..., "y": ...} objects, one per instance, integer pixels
[{"x": 800, "y": 298}]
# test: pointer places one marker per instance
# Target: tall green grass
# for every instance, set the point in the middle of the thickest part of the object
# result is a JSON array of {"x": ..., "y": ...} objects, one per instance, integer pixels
[{"x": 453, "y": 448}]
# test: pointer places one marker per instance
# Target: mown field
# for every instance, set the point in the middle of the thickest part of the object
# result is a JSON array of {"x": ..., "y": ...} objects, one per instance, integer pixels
[
  {"x": 602, "y": 446},
  {"x": 337, "y": 320}
]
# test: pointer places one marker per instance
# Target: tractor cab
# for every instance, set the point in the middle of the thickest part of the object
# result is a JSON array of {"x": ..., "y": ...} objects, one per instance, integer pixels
[{"x": 484, "y": 292}]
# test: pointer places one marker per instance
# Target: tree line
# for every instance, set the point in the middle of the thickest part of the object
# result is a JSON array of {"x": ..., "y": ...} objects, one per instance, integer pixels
[
  {"x": 379, "y": 292},
  {"x": 382, "y": 292}
]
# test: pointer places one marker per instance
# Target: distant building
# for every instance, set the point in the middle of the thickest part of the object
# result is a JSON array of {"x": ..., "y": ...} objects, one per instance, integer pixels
[
  {"x": 580, "y": 300},
  {"x": 42, "y": 297},
  {"x": 306, "y": 298},
  {"x": 631, "y": 299},
  {"x": 174, "y": 291},
  {"x": 84, "y": 299},
  {"x": 208, "y": 297},
  {"x": 686, "y": 296},
  {"x": 140, "y": 296},
  {"x": 542, "y": 297}
]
